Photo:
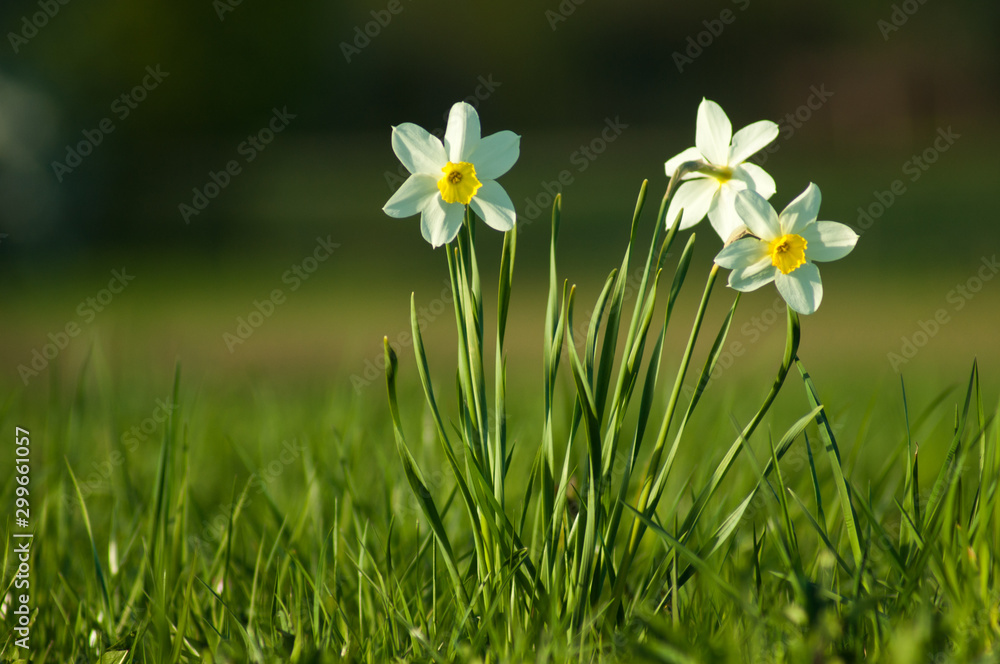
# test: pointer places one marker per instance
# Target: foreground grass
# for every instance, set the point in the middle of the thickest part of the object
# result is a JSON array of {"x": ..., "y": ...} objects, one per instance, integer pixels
[
  {"x": 264, "y": 526},
  {"x": 181, "y": 522},
  {"x": 190, "y": 523}
]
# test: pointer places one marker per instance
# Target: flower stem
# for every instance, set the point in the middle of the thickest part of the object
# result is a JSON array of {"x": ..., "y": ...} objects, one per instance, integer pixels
[
  {"x": 791, "y": 348},
  {"x": 638, "y": 528}
]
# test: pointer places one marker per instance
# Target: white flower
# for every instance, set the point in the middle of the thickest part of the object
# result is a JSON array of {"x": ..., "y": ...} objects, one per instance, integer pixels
[
  {"x": 447, "y": 177},
  {"x": 785, "y": 248},
  {"x": 712, "y": 190}
]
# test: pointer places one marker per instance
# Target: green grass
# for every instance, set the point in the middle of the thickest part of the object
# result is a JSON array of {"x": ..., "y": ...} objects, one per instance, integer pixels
[
  {"x": 607, "y": 514},
  {"x": 324, "y": 550}
]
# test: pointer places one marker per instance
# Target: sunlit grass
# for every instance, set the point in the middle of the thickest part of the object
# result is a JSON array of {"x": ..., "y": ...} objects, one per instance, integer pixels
[
  {"x": 195, "y": 518},
  {"x": 323, "y": 551},
  {"x": 259, "y": 505}
]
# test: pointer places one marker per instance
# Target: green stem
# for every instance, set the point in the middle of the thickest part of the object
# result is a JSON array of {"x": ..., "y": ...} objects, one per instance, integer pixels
[
  {"x": 500, "y": 385},
  {"x": 467, "y": 299},
  {"x": 791, "y": 348},
  {"x": 652, "y": 468}
]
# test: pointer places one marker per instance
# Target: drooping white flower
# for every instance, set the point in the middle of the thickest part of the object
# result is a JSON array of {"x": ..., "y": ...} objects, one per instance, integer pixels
[
  {"x": 447, "y": 177},
  {"x": 786, "y": 248},
  {"x": 712, "y": 189}
]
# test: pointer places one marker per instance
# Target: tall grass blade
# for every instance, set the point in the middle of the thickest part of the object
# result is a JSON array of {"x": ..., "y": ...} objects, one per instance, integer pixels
[
  {"x": 420, "y": 490},
  {"x": 833, "y": 454}
]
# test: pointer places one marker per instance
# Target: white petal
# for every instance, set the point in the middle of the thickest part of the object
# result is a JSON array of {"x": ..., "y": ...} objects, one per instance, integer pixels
[
  {"x": 802, "y": 211},
  {"x": 713, "y": 133},
  {"x": 419, "y": 151},
  {"x": 495, "y": 154},
  {"x": 801, "y": 288},
  {"x": 757, "y": 214},
  {"x": 440, "y": 221},
  {"x": 695, "y": 197},
  {"x": 691, "y": 154},
  {"x": 462, "y": 135},
  {"x": 742, "y": 253},
  {"x": 413, "y": 196},
  {"x": 722, "y": 214},
  {"x": 494, "y": 206},
  {"x": 756, "y": 178},
  {"x": 828, "y": 240},
  {"x": 751, "y": 139},
  {"x": 754, "y": 276}
]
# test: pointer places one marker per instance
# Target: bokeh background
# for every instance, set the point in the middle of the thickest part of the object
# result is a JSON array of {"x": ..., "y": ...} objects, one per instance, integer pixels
[{"x": 860, "y": 89}]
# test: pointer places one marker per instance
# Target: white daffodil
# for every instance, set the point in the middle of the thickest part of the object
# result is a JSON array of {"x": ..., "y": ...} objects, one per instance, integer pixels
[
  {"x": 447, "y": 177},
  {"x": 785, "y": 248},
  {"x": 712, "y": 189}
]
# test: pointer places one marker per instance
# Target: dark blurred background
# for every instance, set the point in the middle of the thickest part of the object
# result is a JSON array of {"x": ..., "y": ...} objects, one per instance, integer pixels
[{"x": 114, "y": 115}]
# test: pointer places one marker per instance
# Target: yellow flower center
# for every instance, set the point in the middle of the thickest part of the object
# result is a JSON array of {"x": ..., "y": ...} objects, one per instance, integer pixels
[
  {"x": 459, "y": 183},
  {"x": 724, "y": 174},
  {"x": 788, "y": 252},
  {"x": 719, "y": 173}
]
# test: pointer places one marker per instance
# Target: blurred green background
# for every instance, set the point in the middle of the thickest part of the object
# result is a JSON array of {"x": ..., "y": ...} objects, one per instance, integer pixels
[{"x": 112, "y": 114}]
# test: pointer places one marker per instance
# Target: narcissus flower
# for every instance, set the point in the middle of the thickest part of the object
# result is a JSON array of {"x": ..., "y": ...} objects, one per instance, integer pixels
[
  {"x": 447, "y": 177},
  {"x": 712, "y": 189},
  {"x": 785, "y": 247}
]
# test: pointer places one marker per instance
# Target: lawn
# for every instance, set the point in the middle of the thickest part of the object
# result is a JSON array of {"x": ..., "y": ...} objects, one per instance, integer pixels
[{"x": 180, "y": 515}]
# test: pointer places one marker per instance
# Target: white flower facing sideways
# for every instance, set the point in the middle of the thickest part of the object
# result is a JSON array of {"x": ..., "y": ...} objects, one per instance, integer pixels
[
  {"x": 712, "y": 189},
  {"x": 444, "y": 178},
  {"x": 785, "y": 248}
]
